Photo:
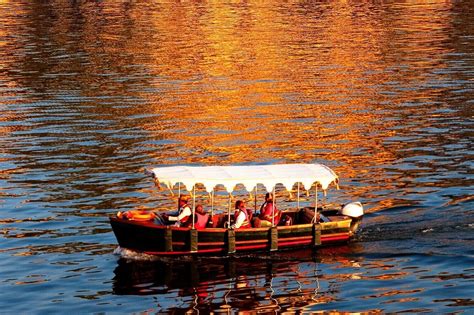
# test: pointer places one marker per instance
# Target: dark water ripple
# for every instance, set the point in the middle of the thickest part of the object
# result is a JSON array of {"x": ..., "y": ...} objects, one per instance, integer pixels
[{"x": 93, "y": 92}]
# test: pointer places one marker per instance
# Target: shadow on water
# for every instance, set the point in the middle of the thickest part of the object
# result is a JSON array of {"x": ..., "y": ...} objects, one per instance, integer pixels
[{"x": 269, "y": 282}]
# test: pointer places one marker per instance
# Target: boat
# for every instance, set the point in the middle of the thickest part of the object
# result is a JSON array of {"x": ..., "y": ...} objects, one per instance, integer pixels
[{"x": 304, "y": 227}]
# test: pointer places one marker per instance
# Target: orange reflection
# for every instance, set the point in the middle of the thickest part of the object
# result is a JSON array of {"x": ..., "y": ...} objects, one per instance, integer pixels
[{"x": 244, "y": 83}]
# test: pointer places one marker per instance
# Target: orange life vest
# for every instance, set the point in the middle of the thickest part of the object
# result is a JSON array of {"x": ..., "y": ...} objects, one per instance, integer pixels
[{"x": 136, "y": 215}]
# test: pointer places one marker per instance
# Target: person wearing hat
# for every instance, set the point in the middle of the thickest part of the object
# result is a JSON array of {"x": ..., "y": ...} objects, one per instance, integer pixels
[{"x": 184, "y": 212}]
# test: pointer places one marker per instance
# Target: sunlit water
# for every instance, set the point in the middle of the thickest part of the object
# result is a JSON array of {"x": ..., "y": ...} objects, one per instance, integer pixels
[{"x": 91, "y": 93}]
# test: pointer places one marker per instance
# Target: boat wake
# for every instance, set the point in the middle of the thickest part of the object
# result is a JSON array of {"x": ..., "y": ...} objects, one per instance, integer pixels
[
  {"x": 133, "y": 255},
  {"x": 385, "y": 232}
]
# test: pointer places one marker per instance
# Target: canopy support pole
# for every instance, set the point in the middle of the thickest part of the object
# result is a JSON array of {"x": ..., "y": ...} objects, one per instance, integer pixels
[
  {"x": 298, "y": 200},
  {"x": 273, "y": 207},
  {"x": 315, "y": 202},
  {"x": 228, "y": 210},
  {"x": 212, "y": 203},
  {"x": 171, "y": 191},
  {"x": 325, "y": 198},
  {"x": 255, "y": 200},
  {"x": 194, "y": 203}
]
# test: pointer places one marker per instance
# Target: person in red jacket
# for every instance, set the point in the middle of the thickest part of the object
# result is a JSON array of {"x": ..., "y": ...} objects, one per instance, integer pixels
[
  {"x": 201, "y": 218},
  {"x": 268, "y": 209}
]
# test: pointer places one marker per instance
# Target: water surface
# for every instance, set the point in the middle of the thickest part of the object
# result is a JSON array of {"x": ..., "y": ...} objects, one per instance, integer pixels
[{"x": 91, "y": 93}]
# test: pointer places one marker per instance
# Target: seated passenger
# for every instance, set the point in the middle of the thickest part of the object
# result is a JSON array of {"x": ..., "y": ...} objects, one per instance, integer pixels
[
  {"x": 241, "y": 216},
  {"x": 267, "y": 210},
  {"x": 200, "y": 218},
  {"x": 178, "y": 218},
  {"x": 286, "y": 220},
  {"x": 306, "y": 215}
]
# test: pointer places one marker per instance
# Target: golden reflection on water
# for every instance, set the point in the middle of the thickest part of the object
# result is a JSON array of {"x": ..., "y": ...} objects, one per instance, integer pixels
[
  {"x": 232, "y": 84},
  {"x": 245, "y": 82},
  {"x": 212, "y": 83}
]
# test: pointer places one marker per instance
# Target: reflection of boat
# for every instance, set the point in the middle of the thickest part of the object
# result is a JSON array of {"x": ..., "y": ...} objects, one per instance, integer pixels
[
  {"x": 307, "y": 228},
  {"x": 151, "y": 277},
  {"x": 212, "y": 283},
  {"x": 278, "y": 281}
]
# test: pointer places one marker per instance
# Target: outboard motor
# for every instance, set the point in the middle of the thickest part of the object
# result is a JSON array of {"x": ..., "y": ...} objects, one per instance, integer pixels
[{"x": 356, "y": 212}]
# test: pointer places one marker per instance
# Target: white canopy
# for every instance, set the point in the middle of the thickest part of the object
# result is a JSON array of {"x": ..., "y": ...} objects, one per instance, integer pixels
[{"x": 247, "y": 175}]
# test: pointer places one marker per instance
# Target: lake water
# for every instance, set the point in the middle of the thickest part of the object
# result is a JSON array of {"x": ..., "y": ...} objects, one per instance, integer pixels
[{"x": 91, "y": 93}]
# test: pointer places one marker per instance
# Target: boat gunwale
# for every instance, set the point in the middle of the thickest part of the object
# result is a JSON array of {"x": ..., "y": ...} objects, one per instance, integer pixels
[{"x": 152, "y": 225}]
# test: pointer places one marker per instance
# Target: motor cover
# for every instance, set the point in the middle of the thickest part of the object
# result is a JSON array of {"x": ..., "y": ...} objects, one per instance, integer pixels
[{"x": 353, "y": 210}]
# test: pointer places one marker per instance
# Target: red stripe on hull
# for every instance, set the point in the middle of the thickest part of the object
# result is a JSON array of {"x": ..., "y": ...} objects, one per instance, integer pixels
[
  {"x": 250, "y": 247},
  {"x": 303, "y": 242},
  {"x": 338, "y": 238}
]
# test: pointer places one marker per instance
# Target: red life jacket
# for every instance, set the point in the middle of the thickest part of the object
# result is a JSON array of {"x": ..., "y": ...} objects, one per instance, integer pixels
[
  {"x": 266, "y": 213},
  {"x": 201, "y": 221}
]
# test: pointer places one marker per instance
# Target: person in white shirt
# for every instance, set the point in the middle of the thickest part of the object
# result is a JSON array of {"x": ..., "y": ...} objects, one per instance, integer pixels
[
  {"x": 241, "y": 216},
  {"x": 178, "y": 218}
]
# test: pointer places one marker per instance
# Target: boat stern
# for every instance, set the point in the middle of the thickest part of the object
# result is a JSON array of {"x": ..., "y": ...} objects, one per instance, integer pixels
[{"x": 355, "y": 211}]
